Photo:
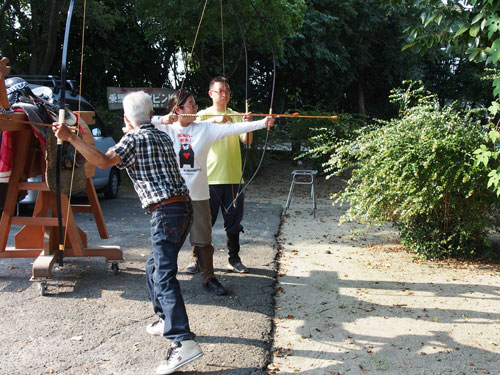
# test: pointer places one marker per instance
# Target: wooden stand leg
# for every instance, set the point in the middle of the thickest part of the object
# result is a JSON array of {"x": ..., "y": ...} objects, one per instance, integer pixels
[
  {"x": 96, "y": 209},
  {"x": 42, "y": 267}
]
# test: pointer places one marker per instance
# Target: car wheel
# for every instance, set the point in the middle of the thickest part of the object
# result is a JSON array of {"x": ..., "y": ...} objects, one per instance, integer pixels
[{"x": 111, "y": 189}]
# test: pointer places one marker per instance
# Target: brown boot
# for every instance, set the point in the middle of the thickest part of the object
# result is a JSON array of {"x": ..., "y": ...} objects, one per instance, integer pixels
[
  {"x": 214, "y": 286},
  {"x": 205, "y": 256}
]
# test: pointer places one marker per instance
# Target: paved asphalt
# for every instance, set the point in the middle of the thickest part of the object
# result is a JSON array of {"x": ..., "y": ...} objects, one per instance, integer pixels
[{"x": 93, "y": 322}]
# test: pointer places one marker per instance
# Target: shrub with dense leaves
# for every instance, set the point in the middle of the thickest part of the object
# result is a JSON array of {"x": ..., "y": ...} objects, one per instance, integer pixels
[
  {"x": 417, "y": 172},
  {"x": 323, "y": 139}
]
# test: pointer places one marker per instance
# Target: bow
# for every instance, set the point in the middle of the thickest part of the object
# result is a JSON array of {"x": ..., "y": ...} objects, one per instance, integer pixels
[
  {"x": 246, "y": 87},
  {"x": 270, "y": 42},
  {"x": 62, "y": 115},
  {"x": 247, "y": 144}
]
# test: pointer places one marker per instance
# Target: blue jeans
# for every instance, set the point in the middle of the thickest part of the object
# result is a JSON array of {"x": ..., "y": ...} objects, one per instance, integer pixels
[{"x": 169, "y": 227}]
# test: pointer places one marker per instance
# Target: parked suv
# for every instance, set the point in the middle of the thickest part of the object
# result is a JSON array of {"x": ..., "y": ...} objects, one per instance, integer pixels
[{"x": 106, "y": 180}]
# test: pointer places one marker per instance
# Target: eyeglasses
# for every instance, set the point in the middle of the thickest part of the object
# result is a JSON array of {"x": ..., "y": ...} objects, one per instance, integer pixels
[
  {"x": 195, "y": 106},
  {"x": 225, "y": 92}
]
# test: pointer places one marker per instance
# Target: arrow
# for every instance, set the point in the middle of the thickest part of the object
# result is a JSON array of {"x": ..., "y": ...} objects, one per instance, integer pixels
[{"x": 293, "y": 115}]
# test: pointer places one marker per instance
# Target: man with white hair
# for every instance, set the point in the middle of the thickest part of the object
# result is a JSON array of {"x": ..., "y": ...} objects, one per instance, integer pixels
[{"x": 147, "y": 154}]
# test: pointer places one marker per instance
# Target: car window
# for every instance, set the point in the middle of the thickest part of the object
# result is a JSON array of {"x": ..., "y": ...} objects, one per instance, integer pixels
[{"x": 106, "y": 130}]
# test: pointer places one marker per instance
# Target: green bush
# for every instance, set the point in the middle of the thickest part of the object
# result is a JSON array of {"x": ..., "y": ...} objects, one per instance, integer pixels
[
  {"x": 323, "y": 140},
  {"x": 417, "y": 172}
]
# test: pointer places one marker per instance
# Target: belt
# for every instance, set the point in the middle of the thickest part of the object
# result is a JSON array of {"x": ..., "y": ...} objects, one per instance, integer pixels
[{"x": 180, "y": 198}]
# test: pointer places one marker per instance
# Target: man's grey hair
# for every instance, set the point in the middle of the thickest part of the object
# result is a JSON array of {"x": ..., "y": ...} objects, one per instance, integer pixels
[{"x": 138, "y": 106}]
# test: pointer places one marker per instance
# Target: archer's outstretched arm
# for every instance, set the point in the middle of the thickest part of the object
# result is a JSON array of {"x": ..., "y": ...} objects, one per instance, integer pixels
[{"x": 89, "y": 152}]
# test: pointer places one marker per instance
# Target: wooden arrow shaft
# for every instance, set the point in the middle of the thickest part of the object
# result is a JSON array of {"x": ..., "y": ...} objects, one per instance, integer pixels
[{"x": 294, "y": 115}]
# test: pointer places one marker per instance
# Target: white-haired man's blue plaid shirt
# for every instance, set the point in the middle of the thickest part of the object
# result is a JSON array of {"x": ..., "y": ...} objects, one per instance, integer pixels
[{"x": 148, "y": 156}]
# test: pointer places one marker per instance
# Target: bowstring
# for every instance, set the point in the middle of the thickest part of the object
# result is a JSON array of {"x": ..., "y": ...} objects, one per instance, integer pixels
[
  {"x": 222, "y": 39},
  {"x": 246, "y": 89},
  {"x": 78, "y": 118},
  {"x": 192, "y": 50},
  {"x": 247, "y": 144},
  {"x": 271, "y": 44},
  {"x": 235, "y": 197}
]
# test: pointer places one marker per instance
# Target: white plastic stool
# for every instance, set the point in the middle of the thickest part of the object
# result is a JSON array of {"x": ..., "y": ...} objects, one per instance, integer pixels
[{"x": 302, "y": 177}]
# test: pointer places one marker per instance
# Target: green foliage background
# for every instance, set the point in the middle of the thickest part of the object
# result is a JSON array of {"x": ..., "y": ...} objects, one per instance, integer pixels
[
  {"x": 333, "y": 57},
  {"x": 417, "y": 171}
]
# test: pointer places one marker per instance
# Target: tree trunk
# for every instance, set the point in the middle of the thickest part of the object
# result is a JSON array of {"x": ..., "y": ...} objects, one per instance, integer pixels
[
  {"x": 44, "y": 28},
  {"x": 361, "y": 99}
]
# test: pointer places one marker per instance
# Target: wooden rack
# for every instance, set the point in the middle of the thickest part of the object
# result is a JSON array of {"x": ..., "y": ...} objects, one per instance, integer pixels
[{"x": 38, "y": 238}]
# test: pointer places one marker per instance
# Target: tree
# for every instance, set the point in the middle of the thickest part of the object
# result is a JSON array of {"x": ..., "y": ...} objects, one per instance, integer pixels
[
  {"x": 330, "y": 56},
  {"x": 29, "y": 32},
  {"x": 116, "y": 50},
  {"x": 467, "y": 26},
  {"x": 265, "y": 24},
  {"x": 347, "y": 57},
  {"x": 470, "y": 28}
]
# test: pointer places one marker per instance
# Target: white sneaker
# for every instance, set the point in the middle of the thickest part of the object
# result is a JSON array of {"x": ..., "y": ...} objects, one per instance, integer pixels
[
  {"x": 156, "y": 328},
  {"x": 178, "y": 355},
  {"x": 237, "y": 267},
  {"x": 193, "y": 267}
]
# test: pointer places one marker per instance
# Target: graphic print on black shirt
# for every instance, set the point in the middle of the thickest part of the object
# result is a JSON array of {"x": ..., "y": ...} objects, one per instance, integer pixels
[{"x": 186, "y": 155}]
